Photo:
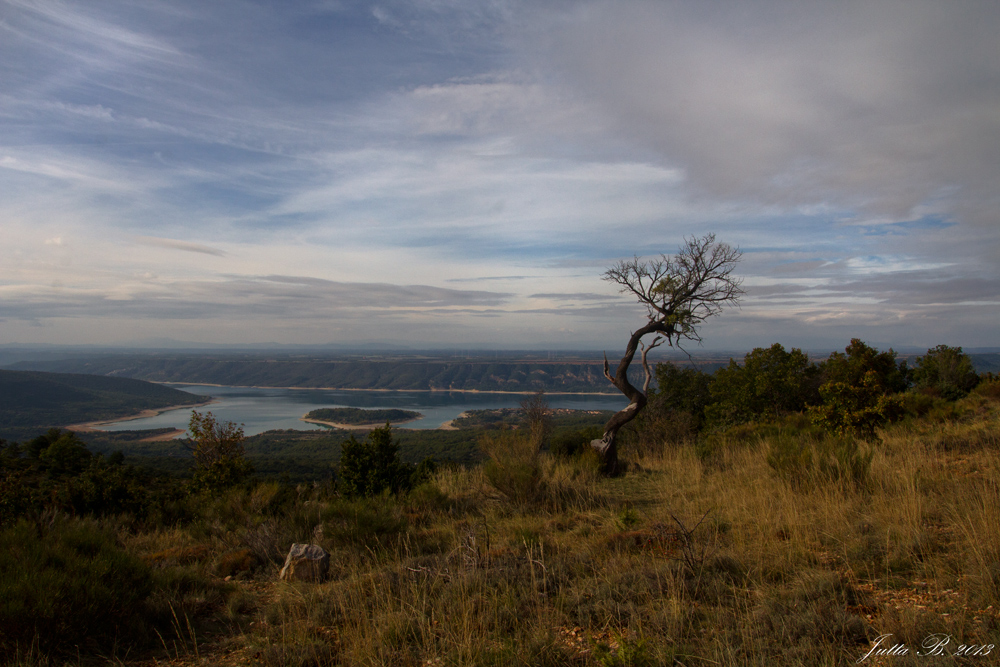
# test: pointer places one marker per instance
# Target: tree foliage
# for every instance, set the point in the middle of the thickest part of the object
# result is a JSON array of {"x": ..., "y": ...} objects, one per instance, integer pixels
[
  {"x": 219, "y": 455},
  {"x": 676, "y": 409},
  {"x": 682, "y": 390},
  {"x": 857, "y": 409},
  {"x": 56, "y": 472},
  {"x": 859, "y": 390},
  {"x": 858, "y": 359},
  {"x": 371, "y": 466},
  {"x": 770, "y": 383},
  {"x": 947, "y": 371}
]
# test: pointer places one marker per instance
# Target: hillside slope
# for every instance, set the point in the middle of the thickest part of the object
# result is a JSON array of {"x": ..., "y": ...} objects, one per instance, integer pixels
[{"x": 37, "y": 400}]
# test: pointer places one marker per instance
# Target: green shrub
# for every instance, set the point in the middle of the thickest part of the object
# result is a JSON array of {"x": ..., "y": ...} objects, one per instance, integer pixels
[
  {"x": 856, "y": 409},
  {"x": 363, "y": 522},
  {"x": 68, "y": 588},
  {"x": 929, "y": 407},
  {"x": 681, "y": 389},
  {"x": 988, "y": 387},
  {"x": 770, "y": 383},
  {"x": 858, "y": 360},
  {"x": 59, "y": 473},
  {"x": 750, "y": 434}
]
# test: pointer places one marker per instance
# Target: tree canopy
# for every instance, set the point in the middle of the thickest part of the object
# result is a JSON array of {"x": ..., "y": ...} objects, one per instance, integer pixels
[{"x": 947, "y": 371}]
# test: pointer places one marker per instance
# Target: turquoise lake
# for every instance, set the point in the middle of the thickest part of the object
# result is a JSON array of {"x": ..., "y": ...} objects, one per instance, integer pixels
[{"x": 264, "y": 409}]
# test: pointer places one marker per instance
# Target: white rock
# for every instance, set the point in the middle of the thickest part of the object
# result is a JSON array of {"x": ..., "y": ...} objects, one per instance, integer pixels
[{"x": 305, "y": 562}]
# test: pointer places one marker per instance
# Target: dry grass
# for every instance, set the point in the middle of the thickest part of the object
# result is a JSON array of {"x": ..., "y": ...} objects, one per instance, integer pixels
[{"x": 685, "y": 559}]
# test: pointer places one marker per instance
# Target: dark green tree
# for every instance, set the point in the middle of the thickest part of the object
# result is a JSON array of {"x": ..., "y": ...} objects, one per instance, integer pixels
[
  {"x": 369, "y": 467},
  {"x": 859, "y": 390},
  {"x": 60, "y": 452},
  {"x": 858, "y": 359},
  {"x": 946, "y": 371},
  {"x": 60, "y": 473},
  {"x": 771, "y": 383}
]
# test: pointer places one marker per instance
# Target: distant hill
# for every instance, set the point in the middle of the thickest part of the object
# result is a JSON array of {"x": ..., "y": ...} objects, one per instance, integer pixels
[
  {"x": 986, "y": 363},
  {"x": 401, "y": 372},
  {"x": 34, "y": 401},
  {"x": 477, "y": 374}
]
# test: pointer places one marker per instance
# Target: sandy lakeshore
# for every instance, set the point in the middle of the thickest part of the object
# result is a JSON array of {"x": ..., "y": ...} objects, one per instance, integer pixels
[{"x": 170, "y": 435}]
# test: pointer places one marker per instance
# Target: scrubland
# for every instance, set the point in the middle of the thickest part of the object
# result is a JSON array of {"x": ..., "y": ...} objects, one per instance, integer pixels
[{"x": 770, "y": 545}]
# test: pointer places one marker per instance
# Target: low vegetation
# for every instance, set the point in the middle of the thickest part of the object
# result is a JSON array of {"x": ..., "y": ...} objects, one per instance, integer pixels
[{"x": 782, "y": 539}]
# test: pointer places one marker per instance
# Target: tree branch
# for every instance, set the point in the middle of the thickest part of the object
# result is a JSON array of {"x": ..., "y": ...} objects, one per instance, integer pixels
[{"x": 645, "y": 364}]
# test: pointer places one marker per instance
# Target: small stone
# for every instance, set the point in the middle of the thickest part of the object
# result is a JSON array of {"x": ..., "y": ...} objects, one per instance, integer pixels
[{"x": 305, "y": 562}]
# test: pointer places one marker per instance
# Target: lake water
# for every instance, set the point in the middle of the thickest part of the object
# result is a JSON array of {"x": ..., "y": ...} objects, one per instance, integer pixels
[{"x": 266, "y": 409}]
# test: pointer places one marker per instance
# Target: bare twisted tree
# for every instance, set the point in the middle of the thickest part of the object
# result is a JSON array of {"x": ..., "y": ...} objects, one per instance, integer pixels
[{"x": 679, "y": 293}]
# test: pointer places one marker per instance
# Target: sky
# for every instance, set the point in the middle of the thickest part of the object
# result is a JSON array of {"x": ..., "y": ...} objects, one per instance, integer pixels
[{"x": 460, "y": 173}]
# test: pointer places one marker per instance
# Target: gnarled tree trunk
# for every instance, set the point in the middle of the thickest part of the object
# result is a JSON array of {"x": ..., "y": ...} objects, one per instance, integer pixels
[{"x": 607, "y": 446}]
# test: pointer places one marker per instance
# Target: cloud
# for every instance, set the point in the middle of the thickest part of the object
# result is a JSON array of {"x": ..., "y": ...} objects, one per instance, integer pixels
[
  {"x": 174, "y": 244},
  {"x": 576, "y": 296},
  {"x": 338, "y": 160},
  {"x": 489, "y": 278},
  {"x": 242, "y": 298},
  {"x": 887, "y": 106}
]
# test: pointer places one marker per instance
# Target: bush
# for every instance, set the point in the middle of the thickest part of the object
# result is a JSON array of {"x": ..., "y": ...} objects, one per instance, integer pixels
[
  {"x": 219, "y": 457},
  {"x": 68, "y": 588},
  {"x": 856, "y": 409},
  {"x": 364, "y": 523},
  {"x": 59, "y": 473},
  {"x": 680, "y": 391},
  {"x": 988, "y": 387},
  {"x": 918, "y": 404},
  {"x": 860, "y": 361}
]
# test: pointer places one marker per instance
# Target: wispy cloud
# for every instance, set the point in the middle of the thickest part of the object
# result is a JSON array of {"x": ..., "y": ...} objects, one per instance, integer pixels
[{"x": 174, "y": 244}]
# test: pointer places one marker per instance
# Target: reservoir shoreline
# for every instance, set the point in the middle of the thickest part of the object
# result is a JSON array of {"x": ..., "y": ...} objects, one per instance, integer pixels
[{"x": 260, "y": 409}]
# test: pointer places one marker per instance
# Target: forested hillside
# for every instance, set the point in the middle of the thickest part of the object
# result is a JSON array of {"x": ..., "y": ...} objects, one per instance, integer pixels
[
  {"x": 33, "y": 400},
  {"x": 400, "y": 373}
]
